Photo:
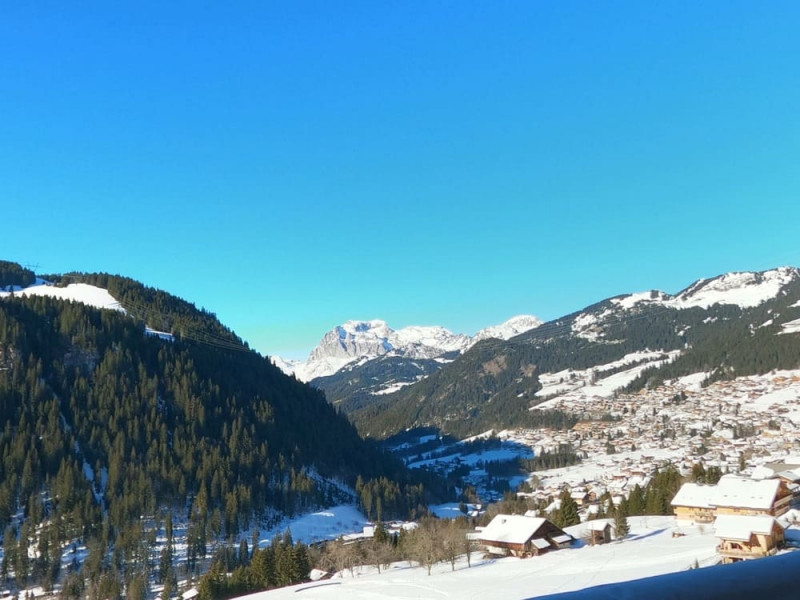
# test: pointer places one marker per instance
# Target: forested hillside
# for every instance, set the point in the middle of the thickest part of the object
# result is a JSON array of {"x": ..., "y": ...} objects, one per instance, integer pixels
[{"x": 102, "y": 424}]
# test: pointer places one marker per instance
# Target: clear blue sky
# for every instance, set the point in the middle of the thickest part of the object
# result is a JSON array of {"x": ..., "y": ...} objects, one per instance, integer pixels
[{"x": 291, "y": 165}]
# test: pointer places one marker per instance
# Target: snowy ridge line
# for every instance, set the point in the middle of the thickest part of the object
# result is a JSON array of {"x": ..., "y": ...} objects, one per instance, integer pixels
[
  {"x": 558, "y": 327},
  {"x": 561, "y": 329}
]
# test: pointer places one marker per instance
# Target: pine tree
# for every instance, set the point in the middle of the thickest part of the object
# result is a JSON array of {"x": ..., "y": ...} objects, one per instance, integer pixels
[
  {"x": 568, "y": 513},
  {"x": 621, "y": 521}
]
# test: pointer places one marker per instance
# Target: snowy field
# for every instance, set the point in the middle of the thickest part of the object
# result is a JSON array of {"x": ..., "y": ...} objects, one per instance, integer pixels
[
  {"x": 323, "y": 525},
  {"x": 649, "y": 550}
]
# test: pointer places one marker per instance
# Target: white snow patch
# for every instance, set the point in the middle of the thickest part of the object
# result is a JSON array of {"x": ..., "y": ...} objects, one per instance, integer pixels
[
  {"x": 76, "y": 292},
  {"x": 327, "y": 524},
  {"x": 790, "y": 327},
  {"x": 632, "y": 300},
  {"x": 160, "y": 334},
  {"x": 692, "y": 382}
]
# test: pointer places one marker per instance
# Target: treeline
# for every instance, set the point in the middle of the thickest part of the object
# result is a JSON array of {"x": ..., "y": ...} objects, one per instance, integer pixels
[
  {"x": 13, "y": 274},
  {"x": 565, "y": 456},
  {"x": 381, "y": 499},
  {"x": 653, "y": 499},
  {"x": 236, "y": 571}
]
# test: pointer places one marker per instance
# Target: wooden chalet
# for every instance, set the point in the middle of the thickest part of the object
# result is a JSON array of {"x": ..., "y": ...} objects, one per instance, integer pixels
[
  {"x": 518, "y": 535},
  {"x": 732, "y": 496},
  {"x": 747, "y": 537}
]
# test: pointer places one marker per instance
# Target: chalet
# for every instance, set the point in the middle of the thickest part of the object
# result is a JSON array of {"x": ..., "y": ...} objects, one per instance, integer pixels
[
  {"x": 517, "y": 535},
  {"x": 731, "y": 496},
  {"x": 747, "y": 537}
]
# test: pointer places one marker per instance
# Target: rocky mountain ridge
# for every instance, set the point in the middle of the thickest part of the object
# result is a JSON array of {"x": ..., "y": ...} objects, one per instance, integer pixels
[{"x": 355, "y": 342}]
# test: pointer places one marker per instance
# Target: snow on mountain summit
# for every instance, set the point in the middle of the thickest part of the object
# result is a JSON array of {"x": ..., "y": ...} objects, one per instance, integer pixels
[
  {"x": 744, "y": 289},
  {"x": 365, "y": 340}
]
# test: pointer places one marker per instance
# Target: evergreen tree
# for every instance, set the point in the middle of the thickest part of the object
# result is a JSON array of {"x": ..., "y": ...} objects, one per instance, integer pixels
[
  {"x": 621, "y": 524},
  {"x": 568, "y": 512}
]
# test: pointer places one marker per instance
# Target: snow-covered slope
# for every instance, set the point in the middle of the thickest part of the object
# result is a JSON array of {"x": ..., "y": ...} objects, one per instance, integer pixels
[
  {"x": 742, "y": 289},
  {"x": 77, "y": 292},
  {"x": 514, "y": 326},
  {"x": 649, "y": 550},
  {"x": 365, "y": 340},
  {"x": 746, "y": 290}
]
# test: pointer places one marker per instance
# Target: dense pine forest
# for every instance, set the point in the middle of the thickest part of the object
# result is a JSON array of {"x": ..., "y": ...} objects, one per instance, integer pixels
[{"x": 103, "y": 426}]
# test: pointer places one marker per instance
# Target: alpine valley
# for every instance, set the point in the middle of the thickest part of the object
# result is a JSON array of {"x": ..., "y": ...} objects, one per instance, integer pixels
[{"x": 146, "y": 449}]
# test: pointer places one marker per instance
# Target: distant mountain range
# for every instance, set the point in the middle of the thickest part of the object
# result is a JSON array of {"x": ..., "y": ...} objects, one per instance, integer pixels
[{"x": 356, "y": 342}]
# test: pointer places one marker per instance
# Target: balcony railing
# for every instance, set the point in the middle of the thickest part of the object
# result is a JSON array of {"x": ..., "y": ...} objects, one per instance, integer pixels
[{"x": 753, "y": 553}]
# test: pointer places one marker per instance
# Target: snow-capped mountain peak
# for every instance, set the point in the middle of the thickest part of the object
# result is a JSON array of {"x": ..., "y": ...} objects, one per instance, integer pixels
[{"x": 365, "y": 340}]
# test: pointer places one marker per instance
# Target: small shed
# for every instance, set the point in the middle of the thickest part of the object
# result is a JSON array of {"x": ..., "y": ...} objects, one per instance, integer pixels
[{"x": 599, "y": 531}]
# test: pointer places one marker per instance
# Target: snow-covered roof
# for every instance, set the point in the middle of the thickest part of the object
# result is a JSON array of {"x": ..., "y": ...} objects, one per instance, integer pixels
[
  {"x": 599, "y": 524},
  {"x": 540, "y": 543},
  {"x": 791, "y": 475},
  {"x": 736, "y": 527},
  {"x": 511, "y": 529},
  {"x": 730, "y": 491},
  {"x": 746, "y": 493},
  {"x": 562, "y": 539},
  {"x": 694, "y": 495}
]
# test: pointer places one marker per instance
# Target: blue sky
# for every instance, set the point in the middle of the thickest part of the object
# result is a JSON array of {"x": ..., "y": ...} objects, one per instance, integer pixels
[{"x": 291, "y": 165}]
